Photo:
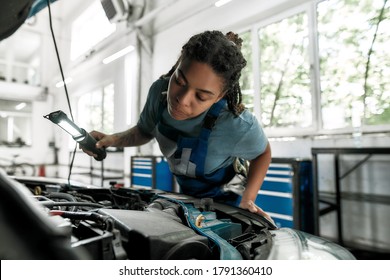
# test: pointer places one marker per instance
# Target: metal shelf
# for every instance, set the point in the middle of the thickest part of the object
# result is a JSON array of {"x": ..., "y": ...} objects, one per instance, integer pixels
[{"x": 332, "y": 201}]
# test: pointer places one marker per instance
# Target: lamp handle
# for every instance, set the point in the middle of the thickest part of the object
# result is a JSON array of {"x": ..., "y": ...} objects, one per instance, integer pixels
[{"x": 89, "y": 143}]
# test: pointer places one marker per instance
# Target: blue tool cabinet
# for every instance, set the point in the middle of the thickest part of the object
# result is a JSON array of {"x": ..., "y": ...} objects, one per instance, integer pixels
[
  {"x": 287, "y": 193},
  {"x": 151, "y": 172}
]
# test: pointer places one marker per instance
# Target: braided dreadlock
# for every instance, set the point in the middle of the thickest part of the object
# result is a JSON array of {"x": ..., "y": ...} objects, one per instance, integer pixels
[{"x": 222, "y": 53}]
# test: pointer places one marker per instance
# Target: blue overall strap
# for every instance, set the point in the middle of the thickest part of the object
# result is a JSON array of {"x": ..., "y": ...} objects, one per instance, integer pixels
[
  {"x": 208, "y": 123},
  {"x": 211, "y": 118},
  {"x": 204, "y": 185}
]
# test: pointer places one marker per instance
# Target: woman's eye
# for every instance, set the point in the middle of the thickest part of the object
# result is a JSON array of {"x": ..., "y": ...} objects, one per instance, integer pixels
[{"x": 200, "y": 97}]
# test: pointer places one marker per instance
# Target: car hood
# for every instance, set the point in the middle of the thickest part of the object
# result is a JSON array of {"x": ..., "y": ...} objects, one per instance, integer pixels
[{"x": 14, "y": 13}]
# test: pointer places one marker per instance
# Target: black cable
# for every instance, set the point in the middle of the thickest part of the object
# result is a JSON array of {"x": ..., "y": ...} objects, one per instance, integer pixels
[
  {"x": 66, "y": 89},
  {"x": 71, "y": 163},
  {"x": 59, "y": 60}
]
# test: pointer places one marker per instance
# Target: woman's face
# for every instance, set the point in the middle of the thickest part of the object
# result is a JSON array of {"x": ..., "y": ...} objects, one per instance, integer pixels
[{"x": 193, "y": 88}]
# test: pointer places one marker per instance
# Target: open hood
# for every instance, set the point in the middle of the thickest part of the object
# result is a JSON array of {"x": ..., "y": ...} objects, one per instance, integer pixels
[{"x": 14, "y": 13}]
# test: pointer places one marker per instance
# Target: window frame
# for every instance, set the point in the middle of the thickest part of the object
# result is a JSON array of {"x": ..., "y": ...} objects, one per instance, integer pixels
[
  {"x": 10, "y": 116},
  {"x": 102, "y": 90}
]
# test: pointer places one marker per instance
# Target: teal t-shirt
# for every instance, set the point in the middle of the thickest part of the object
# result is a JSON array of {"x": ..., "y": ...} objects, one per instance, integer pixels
[{"x": 231, "y": 137}]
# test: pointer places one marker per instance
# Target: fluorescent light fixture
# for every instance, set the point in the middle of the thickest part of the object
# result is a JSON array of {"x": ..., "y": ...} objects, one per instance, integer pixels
[
  {"x": 61, "y": 83},
  {"x": 20, "y": 106},
  {"x": 220, "y": 3},
  {"x": 82, "y": 137},
  {"x": 119, "y": 54}
]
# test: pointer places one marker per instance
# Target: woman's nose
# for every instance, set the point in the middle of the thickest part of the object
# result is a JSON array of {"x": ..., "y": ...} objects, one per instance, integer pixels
[{"x": 184, "y": 98}]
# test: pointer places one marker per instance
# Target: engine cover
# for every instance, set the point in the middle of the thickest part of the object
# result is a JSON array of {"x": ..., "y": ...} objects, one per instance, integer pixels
[{"x": 143, "y": 237}]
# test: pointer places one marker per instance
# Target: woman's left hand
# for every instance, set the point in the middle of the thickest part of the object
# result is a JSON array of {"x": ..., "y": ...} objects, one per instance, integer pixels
[{"x": 253, "y": 208}]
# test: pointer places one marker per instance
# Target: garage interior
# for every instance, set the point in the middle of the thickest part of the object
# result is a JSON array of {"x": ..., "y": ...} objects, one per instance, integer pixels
[{"x": 317, "y": 79}]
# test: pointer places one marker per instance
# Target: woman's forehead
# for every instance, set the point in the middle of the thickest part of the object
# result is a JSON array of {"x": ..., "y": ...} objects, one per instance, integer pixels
[{"x": 200, "y": 74}]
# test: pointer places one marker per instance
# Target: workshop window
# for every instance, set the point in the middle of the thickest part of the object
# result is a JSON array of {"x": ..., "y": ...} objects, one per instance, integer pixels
[
  {"x": 15, "y": 123},
  {"x": 90, "y": 28},
  {"x": 354, "y": 63},
  {"x": 322, "y": 67},
  {"x": 96, "y": 109},
  {"x": 284, "y": 73}
]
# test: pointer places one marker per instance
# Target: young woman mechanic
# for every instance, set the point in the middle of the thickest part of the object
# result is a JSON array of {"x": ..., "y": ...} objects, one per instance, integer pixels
[{"x": 195, "y": 113}]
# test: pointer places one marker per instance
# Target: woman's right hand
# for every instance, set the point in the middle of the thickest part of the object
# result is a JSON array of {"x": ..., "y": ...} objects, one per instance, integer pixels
[
  {"x": 103, "y": 141},
  {"x": 129, "y": 138}
]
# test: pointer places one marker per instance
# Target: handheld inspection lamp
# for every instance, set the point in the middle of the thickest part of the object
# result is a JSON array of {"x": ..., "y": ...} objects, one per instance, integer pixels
[{"x": 82, "y": 137}]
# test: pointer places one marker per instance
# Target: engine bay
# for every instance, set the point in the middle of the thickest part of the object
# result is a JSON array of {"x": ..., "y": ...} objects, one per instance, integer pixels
[{"x": 148, "y": 224}]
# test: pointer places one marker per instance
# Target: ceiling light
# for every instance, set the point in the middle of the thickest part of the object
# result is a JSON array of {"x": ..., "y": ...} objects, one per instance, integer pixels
[
  {"x": 61, "y": 83},
  {"x": 117, "y": 55},
  {"x": 220, "y": 3},
  {"x": 20, "y": 106}
]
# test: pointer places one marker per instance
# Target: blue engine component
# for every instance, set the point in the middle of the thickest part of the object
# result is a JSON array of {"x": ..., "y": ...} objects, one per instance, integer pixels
[{"x": 218, "y": 231}]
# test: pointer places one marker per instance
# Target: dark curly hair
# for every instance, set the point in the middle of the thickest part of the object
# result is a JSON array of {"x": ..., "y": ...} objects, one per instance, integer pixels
[{"x": 223, "y": 54}]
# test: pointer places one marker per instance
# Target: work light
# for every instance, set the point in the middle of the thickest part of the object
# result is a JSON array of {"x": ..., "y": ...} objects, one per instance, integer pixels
[{"x": 82, "y": 137}]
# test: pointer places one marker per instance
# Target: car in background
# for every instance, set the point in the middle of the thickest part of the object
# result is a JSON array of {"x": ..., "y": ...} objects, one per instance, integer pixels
[{"x": 43, "y": 218}]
